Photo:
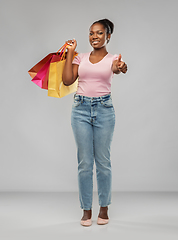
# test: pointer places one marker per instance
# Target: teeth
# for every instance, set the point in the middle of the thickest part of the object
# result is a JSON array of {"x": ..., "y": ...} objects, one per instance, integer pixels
[{"x": 96, "y": 42}]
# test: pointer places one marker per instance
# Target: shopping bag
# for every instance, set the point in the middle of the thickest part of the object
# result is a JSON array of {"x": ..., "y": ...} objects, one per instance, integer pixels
[
  {"x": 56, "y": 87},
  {"x": 39, "y": 73},
  {"x": 41, "y": 78}
]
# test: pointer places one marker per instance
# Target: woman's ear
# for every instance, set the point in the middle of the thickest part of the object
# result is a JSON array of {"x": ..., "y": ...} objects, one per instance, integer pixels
[{"x": 108, "y": 37}]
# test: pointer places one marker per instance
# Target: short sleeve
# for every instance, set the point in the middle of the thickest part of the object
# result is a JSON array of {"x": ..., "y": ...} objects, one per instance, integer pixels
[{"x": 77, "y": 59}]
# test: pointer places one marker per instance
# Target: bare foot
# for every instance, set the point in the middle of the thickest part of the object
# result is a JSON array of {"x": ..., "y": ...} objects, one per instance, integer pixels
[
  {"x": 103, "y": 213},
  {"x": 86, "y": 214}
]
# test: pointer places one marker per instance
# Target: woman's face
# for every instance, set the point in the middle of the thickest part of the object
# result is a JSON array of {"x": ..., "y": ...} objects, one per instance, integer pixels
[{"x": 97, "y": 36}]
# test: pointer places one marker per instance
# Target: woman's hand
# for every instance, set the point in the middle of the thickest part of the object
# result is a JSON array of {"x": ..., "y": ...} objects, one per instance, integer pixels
[
  {"x": 70, "y": 71},
  {"x": 119, "y": 66},
  {"x": 72, "y": 44}
]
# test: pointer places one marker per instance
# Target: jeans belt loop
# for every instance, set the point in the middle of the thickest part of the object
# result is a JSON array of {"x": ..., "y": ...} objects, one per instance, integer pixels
[
  {"x": 81, "y": 99},
  {"x": 101, "y": 100}
]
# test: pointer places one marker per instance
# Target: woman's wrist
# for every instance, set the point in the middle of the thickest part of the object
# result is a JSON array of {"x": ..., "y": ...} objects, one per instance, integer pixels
[
  {"x": 70, "y": 50},
  {"x": 70, "y": 54}
]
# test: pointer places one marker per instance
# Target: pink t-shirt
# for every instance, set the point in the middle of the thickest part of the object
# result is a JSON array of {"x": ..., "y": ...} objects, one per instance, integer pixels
[{"x": 94, "y": 79}]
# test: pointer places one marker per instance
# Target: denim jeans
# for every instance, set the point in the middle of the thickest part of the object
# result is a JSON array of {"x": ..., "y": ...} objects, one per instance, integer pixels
[{"x": 93, "y": 121}]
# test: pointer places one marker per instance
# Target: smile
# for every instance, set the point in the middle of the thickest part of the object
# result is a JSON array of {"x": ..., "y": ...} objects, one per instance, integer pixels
[{"x": 95, "y": 42}]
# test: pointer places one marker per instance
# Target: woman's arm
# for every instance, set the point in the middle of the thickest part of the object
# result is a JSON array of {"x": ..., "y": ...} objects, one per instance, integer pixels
[
  {"x": 70, "y": 71},
  {"x": 119, "y": 66}
]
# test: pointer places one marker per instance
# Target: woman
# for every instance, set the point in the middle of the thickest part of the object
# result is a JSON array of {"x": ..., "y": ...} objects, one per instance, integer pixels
[{"x": 93, "y": 115}]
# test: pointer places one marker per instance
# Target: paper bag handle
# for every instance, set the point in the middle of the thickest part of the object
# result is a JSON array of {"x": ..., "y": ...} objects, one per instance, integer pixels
[{"x": 62, "y": 47}]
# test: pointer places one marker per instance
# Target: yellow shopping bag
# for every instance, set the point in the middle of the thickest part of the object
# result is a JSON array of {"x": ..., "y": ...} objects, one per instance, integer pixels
[{"x": 56, "y": 87}]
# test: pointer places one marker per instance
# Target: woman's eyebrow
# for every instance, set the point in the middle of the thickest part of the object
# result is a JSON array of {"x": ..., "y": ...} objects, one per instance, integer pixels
[{"x": 97, "y": 31}]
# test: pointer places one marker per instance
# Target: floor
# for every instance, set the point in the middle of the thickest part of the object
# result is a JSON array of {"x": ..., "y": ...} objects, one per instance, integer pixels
[{"x": 55, "y": 216}]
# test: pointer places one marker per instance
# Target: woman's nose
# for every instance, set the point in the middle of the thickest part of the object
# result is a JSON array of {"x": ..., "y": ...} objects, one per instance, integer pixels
[{"x": 95, "y": 35}]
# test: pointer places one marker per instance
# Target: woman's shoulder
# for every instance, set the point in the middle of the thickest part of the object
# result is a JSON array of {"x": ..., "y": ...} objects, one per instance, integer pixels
[
  {"x": 83, "y": 55},
  {"x": 113, "y": 56},
  {"x": 80, "y": 57}
]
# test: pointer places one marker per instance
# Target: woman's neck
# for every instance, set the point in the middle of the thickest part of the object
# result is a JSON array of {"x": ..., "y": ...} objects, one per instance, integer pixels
[{"x": 99, "y": 52}]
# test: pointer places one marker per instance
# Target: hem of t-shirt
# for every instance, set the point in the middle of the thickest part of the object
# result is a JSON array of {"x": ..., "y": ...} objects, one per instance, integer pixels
[{"x": 85, "y": 95}]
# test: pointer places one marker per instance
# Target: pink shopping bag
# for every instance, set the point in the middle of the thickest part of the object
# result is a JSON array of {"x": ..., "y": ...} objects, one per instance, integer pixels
[{"x": 41, "y": 78}]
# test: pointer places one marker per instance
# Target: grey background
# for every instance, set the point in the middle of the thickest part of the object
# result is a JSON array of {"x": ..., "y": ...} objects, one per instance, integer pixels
[{"x": 38, "y": 151}]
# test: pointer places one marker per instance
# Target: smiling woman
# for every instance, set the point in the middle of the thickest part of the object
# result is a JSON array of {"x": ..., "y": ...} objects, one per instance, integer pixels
[
  {"x": 108, "y": 28},
  {"x": 98, "y": 39},
  {"x": 93, "y": 115},
  {"x": 97, "y": 36}
]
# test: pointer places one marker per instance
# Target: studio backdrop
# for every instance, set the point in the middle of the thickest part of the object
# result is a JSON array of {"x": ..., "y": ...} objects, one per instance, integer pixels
[{"x": 38, "y": 151}]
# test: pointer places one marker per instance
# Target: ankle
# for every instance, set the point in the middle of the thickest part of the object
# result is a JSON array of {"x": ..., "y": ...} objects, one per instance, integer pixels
[
  {"x": 87, "y": 214},
  {"x": 103, "y": 213},
  {"x": 104, "y": 208}
]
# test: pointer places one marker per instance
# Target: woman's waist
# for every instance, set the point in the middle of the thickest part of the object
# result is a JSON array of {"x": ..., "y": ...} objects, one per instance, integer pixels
[
  {"x": 83, "y": 97},
  {"x": 93, "y": 91}
]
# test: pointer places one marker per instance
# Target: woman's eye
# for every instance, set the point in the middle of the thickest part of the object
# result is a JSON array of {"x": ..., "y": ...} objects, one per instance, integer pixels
[{"x": 100, "y": 33}]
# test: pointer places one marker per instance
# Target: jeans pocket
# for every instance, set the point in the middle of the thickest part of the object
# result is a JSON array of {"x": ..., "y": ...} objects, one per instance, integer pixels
[
  {"x": 76, "y": 103},
  {"x": 107, "y": 103}
]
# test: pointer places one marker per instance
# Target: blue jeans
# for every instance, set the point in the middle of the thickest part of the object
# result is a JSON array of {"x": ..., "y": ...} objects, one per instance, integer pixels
[{"x": 93, "y": 121}]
